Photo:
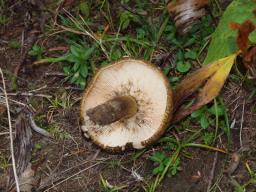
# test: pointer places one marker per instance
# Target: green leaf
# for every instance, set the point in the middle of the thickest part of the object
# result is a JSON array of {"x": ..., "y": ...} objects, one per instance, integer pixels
[
  {"x": 167, "y": 69},
  {"x": 74, "y": 78},
  {"x": 125, "y": 19},
  {"x": 204, "y": 122},
  {"x": 87, "y": 54},
  {"x": 75, "y": 66},
  {"x": 158, "y": 169},
  {"x": 218, "y": 110},
  {"x": 84, "y": 8},
  {"x": 180, "y": 56},
  {"x": 252, "y": 37},
  {"x": 38, "y": 146},
  {"x": 190, "y": 42},
  {"x": 158, "y": 157},
  {"x": 208, "y": 138},
  {"x": 224, "y": 39},
  {"x": 83, "y": 70},
  {"x": 199, "y": 112},
  {"x": 36, "y": 50},
  {"x": 190, "y": 55},
  {"x": 71, "y": 58},
  {"x": 166, "y": 160},
  {"x": 67, "y": 70},
  {"x": 183, "y": 67},
  {"x": 75, "y": 50},
  {"x": 174, "y": 79},
  {"x": 116, "y": 54}
]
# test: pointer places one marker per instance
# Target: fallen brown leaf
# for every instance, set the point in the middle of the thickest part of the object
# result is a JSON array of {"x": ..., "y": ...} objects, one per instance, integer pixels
[
  {"x": 214, "y": 75},
  {"x": 192, "y": 82}
]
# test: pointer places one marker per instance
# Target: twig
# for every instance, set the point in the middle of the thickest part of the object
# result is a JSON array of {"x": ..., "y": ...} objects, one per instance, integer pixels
[
  {"x": 10, "y": 134},
  {"x": 29, "y": 94},
  {"x": 55, "y": 74},
  {"x": 38, "y": 89},
  {"x": 5, "y": 133},
  {"x": 38, "y": 129},
  {"x": 16, "y": 102},
  {"x": 212, "y": 173},
  {"x": 241, "y": 126},
  {"x": 79, "y": 172},
  {"x": 27, "y": 45}
]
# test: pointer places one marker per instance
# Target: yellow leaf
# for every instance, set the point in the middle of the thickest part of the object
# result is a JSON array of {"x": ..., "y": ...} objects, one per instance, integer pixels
[{"x": 214, "y": 75}]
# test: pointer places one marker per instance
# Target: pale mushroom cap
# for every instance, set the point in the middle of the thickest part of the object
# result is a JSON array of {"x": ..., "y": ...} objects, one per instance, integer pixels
[{"x": 152, "y": 93}]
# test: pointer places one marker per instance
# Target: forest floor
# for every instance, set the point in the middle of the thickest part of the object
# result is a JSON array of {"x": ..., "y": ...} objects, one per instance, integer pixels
[{"x": 32, "y": 30}]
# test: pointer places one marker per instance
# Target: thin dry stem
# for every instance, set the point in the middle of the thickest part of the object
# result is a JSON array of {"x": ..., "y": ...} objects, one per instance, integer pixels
[
  {"x": 10, "y": 134},
  {"x": 241, "y": 126},
  {"x": 212, "y": 173}
]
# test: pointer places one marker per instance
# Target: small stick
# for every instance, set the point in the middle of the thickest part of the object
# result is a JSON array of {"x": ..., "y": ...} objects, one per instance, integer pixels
[
  {"x": 10, "y": 133},
  {"x": 38, "y": 129},
  {"x": 29, "y": 94},
  {"x": 211, "y": 177},
  {"x": 16, "y": 102},
  {"x": 241, "y": 126},
  {"x": 5, "y": 133},
  {"x": 38, "y": 89},
  {"x": 26, "y": 46}
]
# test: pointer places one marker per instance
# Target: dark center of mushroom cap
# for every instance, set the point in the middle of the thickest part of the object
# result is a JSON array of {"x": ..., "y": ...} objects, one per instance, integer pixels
[{"x": 116, "y": 109}]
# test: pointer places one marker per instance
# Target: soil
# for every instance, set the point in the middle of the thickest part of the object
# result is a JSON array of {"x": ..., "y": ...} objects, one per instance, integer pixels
[{"x": 72, "y": 163}]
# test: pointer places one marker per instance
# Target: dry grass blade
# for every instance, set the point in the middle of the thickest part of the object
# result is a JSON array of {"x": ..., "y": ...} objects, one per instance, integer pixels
[{"x": 211, "y": 88}]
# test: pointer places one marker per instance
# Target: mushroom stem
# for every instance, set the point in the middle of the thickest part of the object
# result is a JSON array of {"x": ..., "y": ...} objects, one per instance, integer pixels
[{"x": 120, "y": 107}]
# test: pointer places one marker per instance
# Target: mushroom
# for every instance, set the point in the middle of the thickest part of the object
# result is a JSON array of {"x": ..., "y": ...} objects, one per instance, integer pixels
[{"x": 127, "y": 104}]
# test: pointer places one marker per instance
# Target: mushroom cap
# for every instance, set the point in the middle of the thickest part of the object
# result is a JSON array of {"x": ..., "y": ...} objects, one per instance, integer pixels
[{"x": 153, "y": 95}]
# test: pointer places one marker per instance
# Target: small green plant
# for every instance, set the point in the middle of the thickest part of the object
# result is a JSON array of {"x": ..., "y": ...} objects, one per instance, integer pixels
[
  {"x": 3, "y": 20},
  {"x": 37, "y": 147},
  {"x": 162, "y": 160},
  {"x": 37, "y": 51},
  {"x": 113, "y": 163},
  {"x": 107, "y": 187},
  {"x": 4, "y": 164},
  {"x": 14, "y": 44},
  {"x": 61, "y": 102},
  {"x": 57, "y": 132},
  {"x": 189, "y": 46},
  {"x": 250, "y": 183},
  {"x": 214, "y": 115},
  {"x": 79, "y": 58},
  {"x": 126, "y": 18},
  {"x": 170, "y": 165}
]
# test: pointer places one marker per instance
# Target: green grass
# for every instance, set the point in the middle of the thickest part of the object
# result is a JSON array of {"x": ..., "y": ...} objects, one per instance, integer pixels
[{"x": 53, "y": 129}]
